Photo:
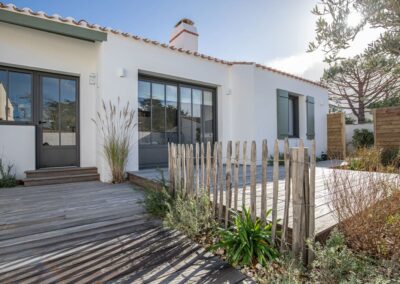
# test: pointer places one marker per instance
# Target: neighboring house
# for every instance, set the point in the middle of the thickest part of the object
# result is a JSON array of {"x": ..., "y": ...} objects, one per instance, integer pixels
[{"x": 56, "y": 71}]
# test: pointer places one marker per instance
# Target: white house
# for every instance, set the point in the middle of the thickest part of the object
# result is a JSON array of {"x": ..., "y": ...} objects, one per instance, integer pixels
[{"x": 55, "y": 71}]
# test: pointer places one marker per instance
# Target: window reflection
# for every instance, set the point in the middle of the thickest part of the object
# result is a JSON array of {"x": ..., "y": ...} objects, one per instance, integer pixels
[
  {"x": 186, "y": 115},
  {"x": 171, "y": 114},
  {"x": 3, "y": 95},
  {"x": 50, "y": 113},
  {"x": 158, "y": 113},
  {"x": 68, "y": 112},
  {"x": 144, "y": 112},
  {"x": 15, "y": 96}
]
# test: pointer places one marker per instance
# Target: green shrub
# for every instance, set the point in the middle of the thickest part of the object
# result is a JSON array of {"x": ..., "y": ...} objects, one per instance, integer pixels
[
  {"x": 7, "y": 176},
  {"x": 349, "y": 119},
  {"x": 190, "y": 214},
  {"x": 363, "y": 138},
  {"x": 336, "y": 263},
  {"x": 248, "y": 241},
  {"x": 157, "y": 202},
  {"x": 281, "y": 159},
  {"x": 390, "y": 157}
]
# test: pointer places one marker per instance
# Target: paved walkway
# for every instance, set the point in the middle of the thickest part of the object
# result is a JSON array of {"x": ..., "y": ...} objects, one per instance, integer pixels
[{"x": 95, "y": 232}]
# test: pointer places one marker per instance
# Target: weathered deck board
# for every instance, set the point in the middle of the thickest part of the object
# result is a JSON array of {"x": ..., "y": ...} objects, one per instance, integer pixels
[{"x": 95, "y": 232}]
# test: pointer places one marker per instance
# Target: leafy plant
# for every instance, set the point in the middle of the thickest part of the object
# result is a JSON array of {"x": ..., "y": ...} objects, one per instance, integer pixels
[
  {"x": 7, "y": 176},
  {"x": 248, "y": 241},
  {"x": 190, "y": 214},
  {"x": 390, "y": 157},
  {"x": 157, "y": 202},
  {"x": 281, "y": 159},
  {"x": 349, "y": 119},
  {"x": 363, "y": 138},
  {"x": 336, "y": 263},
  {"x": 116, "y": 124}
]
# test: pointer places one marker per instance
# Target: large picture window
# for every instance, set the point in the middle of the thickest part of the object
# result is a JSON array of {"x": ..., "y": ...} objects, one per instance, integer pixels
[
  {"x": 15, "y": 96},
  {"x": 174, "y": 112}
]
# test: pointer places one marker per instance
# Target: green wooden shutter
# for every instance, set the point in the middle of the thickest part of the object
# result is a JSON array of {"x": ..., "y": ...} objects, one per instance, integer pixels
[
  {"x": 310, "y": 118},
  {"x": 282, "y": 100}
]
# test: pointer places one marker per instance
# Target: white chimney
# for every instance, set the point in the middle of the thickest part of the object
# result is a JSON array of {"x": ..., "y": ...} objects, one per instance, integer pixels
[{"x": 184, "y": 35}]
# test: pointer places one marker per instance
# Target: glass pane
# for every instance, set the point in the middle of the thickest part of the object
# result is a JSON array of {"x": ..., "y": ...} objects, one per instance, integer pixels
[
  {"x": 197, "y": 102},
  {"x": 158, "y": 113},
  {"x": 144, "y": 112},
  {"x": 186, "y": 115},
  {"x": 172, "y": 114},
  {"x": 3, "y": 95},
  {"x": 68, "y": 112},
  {"x": 208, "y": 117},
  {"x": 20, "y": 96},
  {"x": 50, "y": 114}
]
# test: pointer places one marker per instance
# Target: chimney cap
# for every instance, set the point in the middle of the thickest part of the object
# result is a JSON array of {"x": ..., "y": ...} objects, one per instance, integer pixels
[{"x": 186, "y": 21}]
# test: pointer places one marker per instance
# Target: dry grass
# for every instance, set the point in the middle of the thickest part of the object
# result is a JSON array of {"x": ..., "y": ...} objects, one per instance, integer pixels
[
  {"x": 116, "y": 124},
  {"x": 367, "y": 206}
]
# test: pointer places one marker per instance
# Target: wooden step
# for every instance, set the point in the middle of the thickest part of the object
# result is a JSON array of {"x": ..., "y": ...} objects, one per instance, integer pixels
[
  {"x": 60, "y": 179},
  {"x": 67, "y": 171}
]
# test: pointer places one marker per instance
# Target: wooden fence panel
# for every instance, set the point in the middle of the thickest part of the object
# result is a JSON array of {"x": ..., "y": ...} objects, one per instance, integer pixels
[
  {"x": 336, "y": 135},
  {"x": 185, "y": 174},
  {"x": 387, "y": 127}
]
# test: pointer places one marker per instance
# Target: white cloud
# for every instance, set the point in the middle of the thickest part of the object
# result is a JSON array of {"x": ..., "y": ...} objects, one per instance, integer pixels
[{"x": 311, "y": 65}]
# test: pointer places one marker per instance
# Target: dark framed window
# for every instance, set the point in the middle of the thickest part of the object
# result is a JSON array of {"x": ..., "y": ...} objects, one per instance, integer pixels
[
  {"x": 293, "y": 116},
  {"x": 16, "y": 96},
  {"x": 176, "y": 112}
]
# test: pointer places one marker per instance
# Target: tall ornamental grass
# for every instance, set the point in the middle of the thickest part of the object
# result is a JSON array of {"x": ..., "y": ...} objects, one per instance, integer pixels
[{"x": 116, "y": 125}]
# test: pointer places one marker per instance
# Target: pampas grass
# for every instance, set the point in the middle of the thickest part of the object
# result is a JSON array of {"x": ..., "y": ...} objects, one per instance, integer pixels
[{"x": 116, "y": 125}]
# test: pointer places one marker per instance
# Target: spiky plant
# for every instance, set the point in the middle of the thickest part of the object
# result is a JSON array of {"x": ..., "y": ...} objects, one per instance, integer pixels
[{"x": 116, "y": 125}]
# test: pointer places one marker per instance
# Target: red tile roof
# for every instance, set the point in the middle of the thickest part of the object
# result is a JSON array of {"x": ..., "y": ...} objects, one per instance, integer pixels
[{"x": 85, "y": 24}]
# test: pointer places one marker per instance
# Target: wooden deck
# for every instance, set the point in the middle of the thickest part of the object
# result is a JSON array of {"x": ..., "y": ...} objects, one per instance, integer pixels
[
  {"x": 95, "y": 232},
  {"x": 324, "y": 215}
]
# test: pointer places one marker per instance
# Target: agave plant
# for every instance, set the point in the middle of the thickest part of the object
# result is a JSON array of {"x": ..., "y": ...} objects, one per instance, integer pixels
[
  {"x": 116, "y": 124},
  {"x": 248, "y": 242}
]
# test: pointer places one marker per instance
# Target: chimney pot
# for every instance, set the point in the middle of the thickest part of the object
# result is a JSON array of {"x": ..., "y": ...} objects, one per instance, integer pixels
[{"x": 184, "y": 35}]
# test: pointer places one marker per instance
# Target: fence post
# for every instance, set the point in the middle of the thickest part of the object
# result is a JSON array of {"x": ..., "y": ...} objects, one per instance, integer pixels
[
  {"x": 244, "y": 175},
  {"x": 264, "y": 155},
  {"x": 311, "y": 223},
  {"x": 215, "y": 174},
  {"x": 208, "y": 169},
  {"x": 287, "y": 195},
  {"x": 253, "y": 205},
  {"x": 275, "y": 190},
  {"x": 236, "y": 174},
  {"x": 197, "y": 149},
  {"x": 221, "y": 182},
  {"x": 228, "y": 193},
  {"x": 203, "y": 173}
]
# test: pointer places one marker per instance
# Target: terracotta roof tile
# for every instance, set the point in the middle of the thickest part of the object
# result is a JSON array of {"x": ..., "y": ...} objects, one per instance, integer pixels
[{"x": 84, "y": 24}]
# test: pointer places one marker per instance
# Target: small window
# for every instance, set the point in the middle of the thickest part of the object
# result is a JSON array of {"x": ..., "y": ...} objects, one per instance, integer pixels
[{"x": 15, "y": 96}]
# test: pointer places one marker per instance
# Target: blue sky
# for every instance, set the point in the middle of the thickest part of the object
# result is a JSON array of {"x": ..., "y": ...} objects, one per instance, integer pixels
[{"x": 273, "y": 32}]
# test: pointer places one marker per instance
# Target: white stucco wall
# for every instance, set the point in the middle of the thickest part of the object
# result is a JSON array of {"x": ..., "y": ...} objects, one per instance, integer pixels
[
  {"x": 254, "y": 104},
  {"x": 16, "y": 148},
  {"x": 136, "y": 56},
  {"x": 246, "y": 95},
  {"x": 32, "y": 49}
]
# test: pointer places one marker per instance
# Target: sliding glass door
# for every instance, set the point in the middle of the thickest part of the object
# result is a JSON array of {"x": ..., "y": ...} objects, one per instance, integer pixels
[{"x": 172, "y": 112}]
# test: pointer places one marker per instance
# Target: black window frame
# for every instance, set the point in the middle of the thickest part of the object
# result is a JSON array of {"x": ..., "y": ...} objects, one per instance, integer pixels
[
  {"x": 296, "y": 130},
  {"x": 33, "y": 100},
  {"x": 166, "y": 81}
]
